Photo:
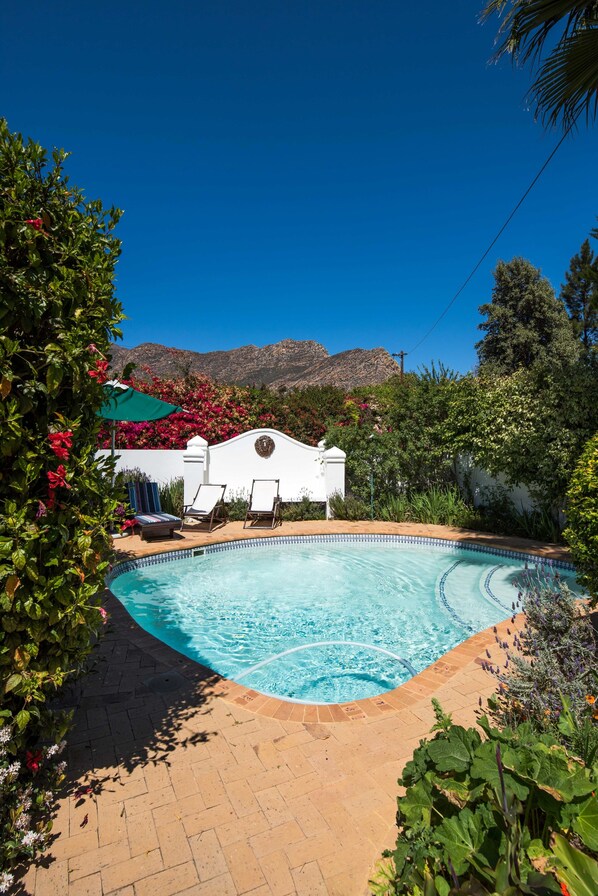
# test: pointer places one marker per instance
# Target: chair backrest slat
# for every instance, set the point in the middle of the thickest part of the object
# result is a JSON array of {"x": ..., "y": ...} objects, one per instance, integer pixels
[
  {"x": 208, "y": 496},
  {"x": 263, "y": 495},
  {"x": 144, "y": 497}
]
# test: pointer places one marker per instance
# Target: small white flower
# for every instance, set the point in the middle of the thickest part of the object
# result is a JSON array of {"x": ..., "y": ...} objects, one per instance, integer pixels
[
  {"x": 3, "y": 775},
  {"x": 51, "y": 751},
  {"x": 6, "y": 880},
  {"x": 14, "y": 768},
  {"x": 5, "y": 734},
  {"x": 23, "y": 821},
  {"x": 61, "y": 767},
  {"x": 29, "y": 838}
]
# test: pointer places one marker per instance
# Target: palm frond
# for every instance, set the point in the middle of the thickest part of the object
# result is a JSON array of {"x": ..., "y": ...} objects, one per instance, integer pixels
[{"x": 567, "y": 84}]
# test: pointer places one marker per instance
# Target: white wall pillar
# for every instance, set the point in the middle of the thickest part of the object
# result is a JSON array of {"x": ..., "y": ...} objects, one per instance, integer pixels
[
  {"x": 334, "y": 474},
  {"x": 196, "y": 467}
]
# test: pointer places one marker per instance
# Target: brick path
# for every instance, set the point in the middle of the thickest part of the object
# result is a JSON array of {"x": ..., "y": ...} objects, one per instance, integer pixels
[{"x": 193, "y": 794}]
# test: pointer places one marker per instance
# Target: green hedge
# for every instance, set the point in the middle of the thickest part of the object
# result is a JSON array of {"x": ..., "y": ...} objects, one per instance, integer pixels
[
  {"x": 58, "y": 315},
  {"x": 582, "y": 518}
]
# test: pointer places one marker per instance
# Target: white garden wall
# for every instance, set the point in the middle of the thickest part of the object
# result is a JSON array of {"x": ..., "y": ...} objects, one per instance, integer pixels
[
  {"x": 301, "y": 469},
  {"x": 478, "y": 480},
  {"x": 161, "y": 465}
]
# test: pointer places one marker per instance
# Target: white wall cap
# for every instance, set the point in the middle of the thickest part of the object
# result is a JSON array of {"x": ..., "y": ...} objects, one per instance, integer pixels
[
  {"x": 255, "y": 433},
  {"x": 335, "y": 453},
  {"x": 197, "y": 442}
]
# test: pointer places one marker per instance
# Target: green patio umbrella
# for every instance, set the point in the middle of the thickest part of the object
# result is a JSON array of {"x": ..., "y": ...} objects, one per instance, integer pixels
[{"x": 125, "y": 404}]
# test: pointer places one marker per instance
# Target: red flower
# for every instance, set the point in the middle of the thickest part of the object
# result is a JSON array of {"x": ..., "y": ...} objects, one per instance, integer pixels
[
  {"x": 564, "y": 889},
  {"x": 33, "y": 760},
  {"x": 57, "y": 479},
  {"x": 128, "y": 524},
  {"x": 60, "y": 442},
  {"x": 35, "y": 222},
  {"x": 99, "y": 372},
  {"x": 51, "y": 502}
]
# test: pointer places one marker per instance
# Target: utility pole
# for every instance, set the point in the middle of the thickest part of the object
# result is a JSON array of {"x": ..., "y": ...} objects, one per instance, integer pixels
[{"x": 400, "y": 355}]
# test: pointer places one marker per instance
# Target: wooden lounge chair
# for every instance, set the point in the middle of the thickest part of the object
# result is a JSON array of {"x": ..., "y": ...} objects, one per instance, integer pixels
[
  {"x": 145, "y": 504},
  {"x": 264, "y": 504},
  {"x": 207, "y": 506}
]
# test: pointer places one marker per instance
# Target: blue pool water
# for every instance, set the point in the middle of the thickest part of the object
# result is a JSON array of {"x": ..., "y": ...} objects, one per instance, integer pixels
[{"x": 322, "y": 622}]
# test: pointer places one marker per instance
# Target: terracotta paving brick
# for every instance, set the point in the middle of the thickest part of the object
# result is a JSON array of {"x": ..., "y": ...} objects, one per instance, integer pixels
[
  {"x": 208, "y": 855},
  {"x": 275, "y": 867},
  {"x": 276, "y": 838},
  {"x": 218, "y": 886},
  {"x": 309, "y": 881},
  {"x": 88, "y": 863},
  {"x": 244, "y": 867},
  {"x": 131, "y": 871},
  {"x": 211, "y": 789},
  {"x": 169, "y": 882}
]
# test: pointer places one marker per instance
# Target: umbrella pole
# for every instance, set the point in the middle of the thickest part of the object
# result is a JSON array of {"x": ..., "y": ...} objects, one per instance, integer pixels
[{"x": 113, "y": 447}]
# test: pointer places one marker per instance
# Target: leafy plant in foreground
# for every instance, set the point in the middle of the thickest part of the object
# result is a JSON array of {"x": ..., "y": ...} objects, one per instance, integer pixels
[
  {"x": 58, "y": 315},
  {"x": 479, "y": 815}
]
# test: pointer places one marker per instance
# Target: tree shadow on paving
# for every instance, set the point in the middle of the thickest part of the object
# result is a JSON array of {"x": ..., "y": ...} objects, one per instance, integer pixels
[{"x": 139, "y": 701}]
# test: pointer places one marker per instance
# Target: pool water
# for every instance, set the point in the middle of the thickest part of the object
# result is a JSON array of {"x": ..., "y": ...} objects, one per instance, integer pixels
[{"x": 322, "y": 622}]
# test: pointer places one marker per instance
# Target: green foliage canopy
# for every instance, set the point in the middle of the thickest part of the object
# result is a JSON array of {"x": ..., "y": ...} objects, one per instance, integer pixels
[
  {"x": 582, "y": 517},
  {"x": 525, "y": 321},
  {"x": 58, "y": 314}
]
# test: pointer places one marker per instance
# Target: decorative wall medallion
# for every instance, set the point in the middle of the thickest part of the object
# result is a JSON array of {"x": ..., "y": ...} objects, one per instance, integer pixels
[{"x": 264, "y": 446}]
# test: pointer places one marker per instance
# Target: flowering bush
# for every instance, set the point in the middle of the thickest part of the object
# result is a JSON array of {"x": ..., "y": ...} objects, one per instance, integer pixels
[
  {"x": 551, "y": 668},
  {"x": 58, "y": 313}
]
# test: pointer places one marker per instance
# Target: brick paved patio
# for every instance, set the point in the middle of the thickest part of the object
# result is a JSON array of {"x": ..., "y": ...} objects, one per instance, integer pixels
[{"x": 198, "y": 786}]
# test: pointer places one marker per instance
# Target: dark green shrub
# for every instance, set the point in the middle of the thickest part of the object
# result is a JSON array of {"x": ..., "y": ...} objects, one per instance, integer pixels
[
  {"x": 441, "y": 506},
  {"x": 171, "y": 496},
  {"x": 396, "y": 509},
  {"x": 348, "y": 508},
  {"x": 479, "y": 816},
  {"x": 582, "y": 518},
  {"x": 305, "y": 509},
  {"x": 236, "y": 507},
  {"x": 58, "y": 315}
]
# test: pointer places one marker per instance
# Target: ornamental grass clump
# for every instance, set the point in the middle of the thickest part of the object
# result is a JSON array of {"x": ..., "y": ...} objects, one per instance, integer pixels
[{"x": 58, "y": 315}]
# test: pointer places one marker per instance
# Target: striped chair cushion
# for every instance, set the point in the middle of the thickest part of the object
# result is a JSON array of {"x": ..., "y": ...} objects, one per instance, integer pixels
[{"x": 144, "y": 499}]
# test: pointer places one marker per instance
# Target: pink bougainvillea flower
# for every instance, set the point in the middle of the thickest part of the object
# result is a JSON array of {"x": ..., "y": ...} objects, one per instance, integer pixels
[
  {"x": 33, "y": 760},
  {"x": 103, "y": 614},
  {"x": 35, "y": 222},
  {"x": 92, "y": 349},
  {"x": 57, "y": 479},
  {"x": 41, "y": 510}
]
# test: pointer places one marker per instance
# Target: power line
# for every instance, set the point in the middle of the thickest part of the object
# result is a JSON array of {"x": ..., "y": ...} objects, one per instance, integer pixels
[{"x": 498, "y": 235}]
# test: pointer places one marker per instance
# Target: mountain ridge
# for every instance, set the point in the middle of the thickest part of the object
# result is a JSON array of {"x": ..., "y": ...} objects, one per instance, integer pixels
[{"x": 289, "y": 363}]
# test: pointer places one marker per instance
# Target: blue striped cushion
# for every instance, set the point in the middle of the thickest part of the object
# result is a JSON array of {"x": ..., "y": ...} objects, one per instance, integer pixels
[{"x": 146, "y": 519}]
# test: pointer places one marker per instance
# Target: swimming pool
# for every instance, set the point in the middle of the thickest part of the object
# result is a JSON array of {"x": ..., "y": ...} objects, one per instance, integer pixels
[{"x": 321, "y": 619}]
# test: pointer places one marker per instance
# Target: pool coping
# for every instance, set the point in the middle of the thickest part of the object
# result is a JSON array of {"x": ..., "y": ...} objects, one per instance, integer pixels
[{"x": 423, "y": 685}]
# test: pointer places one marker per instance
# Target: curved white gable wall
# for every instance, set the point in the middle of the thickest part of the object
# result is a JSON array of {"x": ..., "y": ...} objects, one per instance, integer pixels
[{"x": 302, "y": 469}]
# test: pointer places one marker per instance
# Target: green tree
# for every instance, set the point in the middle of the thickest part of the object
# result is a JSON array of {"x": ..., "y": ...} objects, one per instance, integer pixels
[
  {"x": 525, "y": 321},
  {"x": 58, "y": 314},
  {"x": 530, "y": 427},
  {"x": 582, "y": 518},
  {"x": 561, "y": 40},
  {"x": 579, "y": 294}
]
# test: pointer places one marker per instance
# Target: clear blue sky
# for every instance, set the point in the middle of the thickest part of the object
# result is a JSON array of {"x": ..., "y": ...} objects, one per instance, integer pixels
[{"x": 306, "y": 169}]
